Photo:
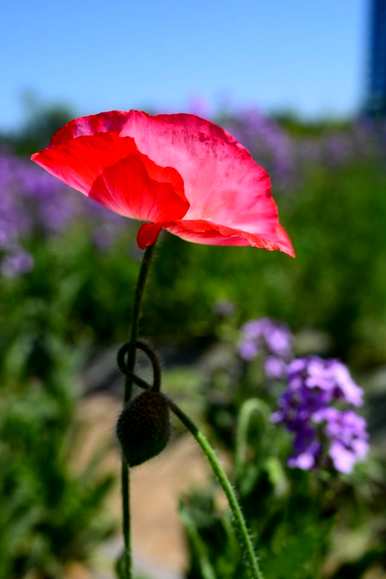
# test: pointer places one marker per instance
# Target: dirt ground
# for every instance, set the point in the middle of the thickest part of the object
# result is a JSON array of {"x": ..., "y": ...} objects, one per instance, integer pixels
[{"x": 155, "y": 489}]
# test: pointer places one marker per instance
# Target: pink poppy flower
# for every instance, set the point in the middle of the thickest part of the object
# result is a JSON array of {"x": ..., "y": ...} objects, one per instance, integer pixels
[{"x": 176, "y": 172}]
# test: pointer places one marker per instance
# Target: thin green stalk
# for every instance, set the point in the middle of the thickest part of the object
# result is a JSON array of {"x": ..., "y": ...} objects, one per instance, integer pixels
[
  {"x": 198, "y": 545},
  {"x": 125, "y": 471},
  {"x": 247, "y": 410},
  {"x": 139, "y": 291},
  {"x": 238, "y": 517}
]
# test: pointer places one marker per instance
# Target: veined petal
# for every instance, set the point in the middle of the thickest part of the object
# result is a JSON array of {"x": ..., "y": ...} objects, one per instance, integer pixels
[
  {"x": 205, "y": 232},
  {"x": 223, "y": 183},
  {"x": 106, "y": 122}
]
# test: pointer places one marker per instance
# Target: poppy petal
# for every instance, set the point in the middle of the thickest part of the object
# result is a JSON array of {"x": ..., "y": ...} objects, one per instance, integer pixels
[
  {"x": 111, "y": 170},
  {"x": 79, "y": 161},
  {"x": 127, "y": 189},
  {"x": 199, "y": 231},
  {"x": 106, "y": 122},
  {"x": 223, "y": 183},
  {"x": 178, "y": 169},
  {"x": 147, "y": 234}
]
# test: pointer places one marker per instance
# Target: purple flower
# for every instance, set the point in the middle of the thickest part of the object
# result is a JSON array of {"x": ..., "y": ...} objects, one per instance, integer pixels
[
  {"x": 268, "y": 142},
  {"x": 248, "y": 350},
  {"x": 330, "y": 379},
  {"x": 348, "y": 435},
  {"x": 264, "y": 336},
  {"x": 307, "y": 449},
  {"x": 275, "y": 368},
  {"x": 16, "y": 263},
  {"x": 306, "y": 408},
  {"x": 31, "y": 202}
]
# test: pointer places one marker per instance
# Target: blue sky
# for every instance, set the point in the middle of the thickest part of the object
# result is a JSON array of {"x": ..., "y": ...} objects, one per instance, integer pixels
[{"x": 103, "y": 54}]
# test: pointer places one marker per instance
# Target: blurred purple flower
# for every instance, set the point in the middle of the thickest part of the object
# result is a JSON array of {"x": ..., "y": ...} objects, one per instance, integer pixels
[
  {"x": 307, "y": 449},
  {"x": 16, "y": 263},
  {"x": 267, "y": 141},
  {"x": 348, "y": 435},
  {"x": 275, "y": 368},
  {"x": 265, "y": 336},
  {"x": 338, "y": 148},
  {"x": 307, "y": 410},
  {"x": 248, "y": 350},
  {"x": 31, "y": 202}
]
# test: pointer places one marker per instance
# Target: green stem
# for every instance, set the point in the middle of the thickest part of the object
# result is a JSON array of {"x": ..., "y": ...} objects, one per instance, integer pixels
[
  {"x": 197, "y": 544},
  {"x": 238, "y": 517},
  {"x": 247, "y": 410},
  {"x": 125, "y": 472},
  {"x": 139, "y": 291}
]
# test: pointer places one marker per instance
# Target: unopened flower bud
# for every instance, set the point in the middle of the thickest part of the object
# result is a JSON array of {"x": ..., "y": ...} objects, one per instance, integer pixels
[{"x": 143, "y": 428}]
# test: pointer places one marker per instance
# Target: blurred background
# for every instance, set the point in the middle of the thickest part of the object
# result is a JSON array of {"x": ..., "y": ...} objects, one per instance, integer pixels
[{"x": 303, "y": 86}]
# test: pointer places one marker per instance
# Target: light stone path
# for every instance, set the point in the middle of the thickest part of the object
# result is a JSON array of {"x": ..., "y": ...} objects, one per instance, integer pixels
[
  {"x": 142, "y": 566},
  {"x": 156, "y": 488}
]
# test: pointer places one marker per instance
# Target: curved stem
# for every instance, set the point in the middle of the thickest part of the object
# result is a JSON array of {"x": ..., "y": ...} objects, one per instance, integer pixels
[
  {"x": 247, "y": 410},
  {"x": 131, "y": 355},
  {"x": 153, "y": 358},
  {"x": 238, "y": 517},
  {"x": 155, "y": 363}
]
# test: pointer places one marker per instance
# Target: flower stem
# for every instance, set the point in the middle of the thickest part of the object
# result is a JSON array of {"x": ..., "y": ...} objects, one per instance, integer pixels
[
  {"x": 198, "y": 544},
  {"x": 125, "y": 471},
  {"x": 238, "y": 517},
  {"x": 247, "y": 410}
]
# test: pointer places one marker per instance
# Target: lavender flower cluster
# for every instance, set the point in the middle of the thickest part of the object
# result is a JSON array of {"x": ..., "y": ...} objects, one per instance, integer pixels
[
  {"x": 316, "y": 405},
  {"x": 31, "y": 201},
  {"x": 267, "y": 141},
  {"x": 269, "y": 339},
  {"x": 315, "y": 408}
]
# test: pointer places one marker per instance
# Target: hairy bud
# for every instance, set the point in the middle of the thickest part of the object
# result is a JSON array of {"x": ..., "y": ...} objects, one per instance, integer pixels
[{"x": 143, "y": 428}]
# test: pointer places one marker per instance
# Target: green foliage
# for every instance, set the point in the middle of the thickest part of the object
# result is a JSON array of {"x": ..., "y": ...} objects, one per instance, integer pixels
[
  {"x": 337, "y": 224},
  {"x": 77, "y": 299},
  {"x": 50, "y": 512},
  {"x": 336, "y": 284},
  {"x": 288, "y": 519},
  {"x": 299, "y": 520},
  {"x": 295, "y": 517}
]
